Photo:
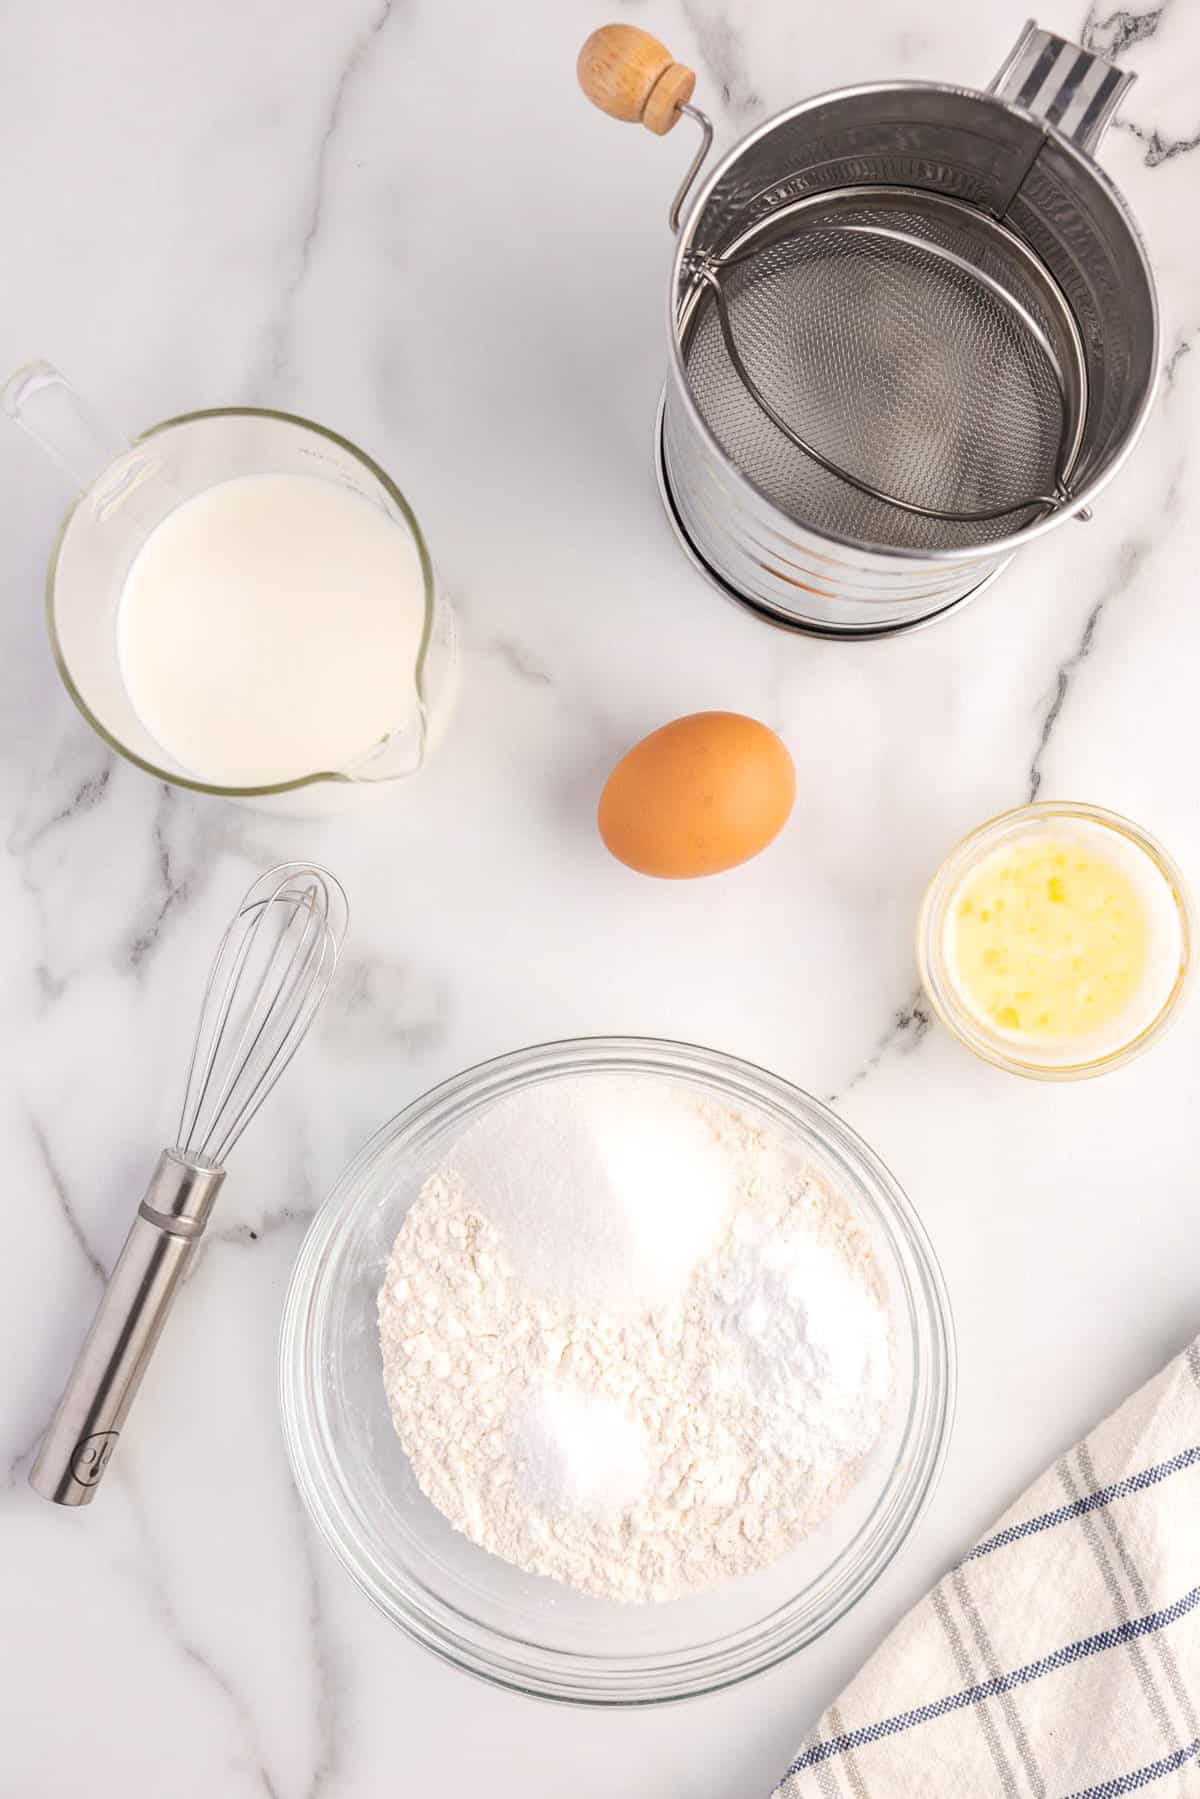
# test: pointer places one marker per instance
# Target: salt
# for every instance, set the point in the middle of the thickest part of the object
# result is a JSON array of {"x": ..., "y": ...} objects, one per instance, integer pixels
[{"x": 576, "y": 1451}]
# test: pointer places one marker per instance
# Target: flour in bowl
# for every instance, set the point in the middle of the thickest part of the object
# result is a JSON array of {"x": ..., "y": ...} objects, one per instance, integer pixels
[{"x": 597, "y": 1383}]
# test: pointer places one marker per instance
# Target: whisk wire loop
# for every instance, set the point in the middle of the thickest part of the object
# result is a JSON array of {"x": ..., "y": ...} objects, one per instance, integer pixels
[{"x": 269, "y": 976}]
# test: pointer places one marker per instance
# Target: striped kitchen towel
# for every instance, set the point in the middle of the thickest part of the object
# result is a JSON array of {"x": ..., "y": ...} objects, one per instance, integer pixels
[{"x": 1061, "y": 1657}]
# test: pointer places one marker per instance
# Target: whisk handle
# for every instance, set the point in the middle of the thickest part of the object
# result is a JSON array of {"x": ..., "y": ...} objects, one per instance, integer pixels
[{"x": 108, "y": 1371}]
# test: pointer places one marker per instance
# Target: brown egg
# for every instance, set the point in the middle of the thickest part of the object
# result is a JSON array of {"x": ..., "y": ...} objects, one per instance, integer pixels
[{"x": 699, "y": 795}]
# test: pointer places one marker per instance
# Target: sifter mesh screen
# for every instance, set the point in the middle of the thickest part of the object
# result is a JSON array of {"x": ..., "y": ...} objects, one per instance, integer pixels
[{"x": 908, "y": 347}]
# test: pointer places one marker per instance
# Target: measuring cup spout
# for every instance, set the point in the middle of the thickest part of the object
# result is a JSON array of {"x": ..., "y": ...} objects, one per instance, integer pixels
[{"x": 61, "y": 423}]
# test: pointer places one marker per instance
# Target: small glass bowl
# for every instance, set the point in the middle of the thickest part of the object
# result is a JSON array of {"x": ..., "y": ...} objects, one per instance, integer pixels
[
  {"x": 523, "y": 1631},
  {"x": 937, "y": 976}
]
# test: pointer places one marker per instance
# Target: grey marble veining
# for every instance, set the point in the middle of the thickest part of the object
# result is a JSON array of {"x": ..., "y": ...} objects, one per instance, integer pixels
[{"x": 405, "y": 222}]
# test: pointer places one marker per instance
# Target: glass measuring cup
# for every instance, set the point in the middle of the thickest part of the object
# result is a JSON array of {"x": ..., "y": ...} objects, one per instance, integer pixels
[{"x": 125, "y": 490}]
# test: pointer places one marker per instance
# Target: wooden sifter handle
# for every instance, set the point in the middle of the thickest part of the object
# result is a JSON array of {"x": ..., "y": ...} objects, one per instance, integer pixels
[{"x": 631, "y": 76}]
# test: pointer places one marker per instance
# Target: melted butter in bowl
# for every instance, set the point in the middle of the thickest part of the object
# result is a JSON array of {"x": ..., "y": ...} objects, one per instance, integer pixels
[{"x": 1056, "y": 940}]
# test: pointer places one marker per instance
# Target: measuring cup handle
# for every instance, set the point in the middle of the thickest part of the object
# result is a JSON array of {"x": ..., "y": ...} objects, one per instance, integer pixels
[
  {"x": 631, "y": 76},
  {"x": 1072, "y": 89},
  {"x": 61, "y": 423}
]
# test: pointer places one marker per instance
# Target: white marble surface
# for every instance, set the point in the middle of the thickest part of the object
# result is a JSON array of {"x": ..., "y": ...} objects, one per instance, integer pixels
[{"x": 402, "y": 220}]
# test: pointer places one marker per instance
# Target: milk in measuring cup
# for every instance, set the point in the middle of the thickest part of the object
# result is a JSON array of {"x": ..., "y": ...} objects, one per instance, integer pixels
[{"x": 269, "y": 628}]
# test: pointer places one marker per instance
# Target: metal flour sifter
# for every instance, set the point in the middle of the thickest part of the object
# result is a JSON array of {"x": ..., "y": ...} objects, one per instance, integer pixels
[{"x": 912, "y": 327}]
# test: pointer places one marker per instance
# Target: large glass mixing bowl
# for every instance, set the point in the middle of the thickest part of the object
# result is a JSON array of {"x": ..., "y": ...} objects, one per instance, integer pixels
[{"x": 525, "y": 1631}]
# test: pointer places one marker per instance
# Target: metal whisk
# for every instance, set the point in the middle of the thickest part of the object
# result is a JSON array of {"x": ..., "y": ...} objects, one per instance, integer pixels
[{"x": 270, "y": 974}]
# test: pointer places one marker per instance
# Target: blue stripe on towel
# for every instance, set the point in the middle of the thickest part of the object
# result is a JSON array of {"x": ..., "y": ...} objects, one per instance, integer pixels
[
  {"x": 1001, "y": 1683},
  {"x": 1141, "y": 1777},
  {"x": 1132, "y": 1483}
]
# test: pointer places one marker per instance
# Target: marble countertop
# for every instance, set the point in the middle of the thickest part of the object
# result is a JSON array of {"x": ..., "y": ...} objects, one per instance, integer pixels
[{"x": 403, "y": 221}]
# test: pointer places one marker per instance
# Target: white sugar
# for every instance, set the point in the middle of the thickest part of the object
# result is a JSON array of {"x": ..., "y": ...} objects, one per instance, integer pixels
[{"x": 606, "y": 1191}]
